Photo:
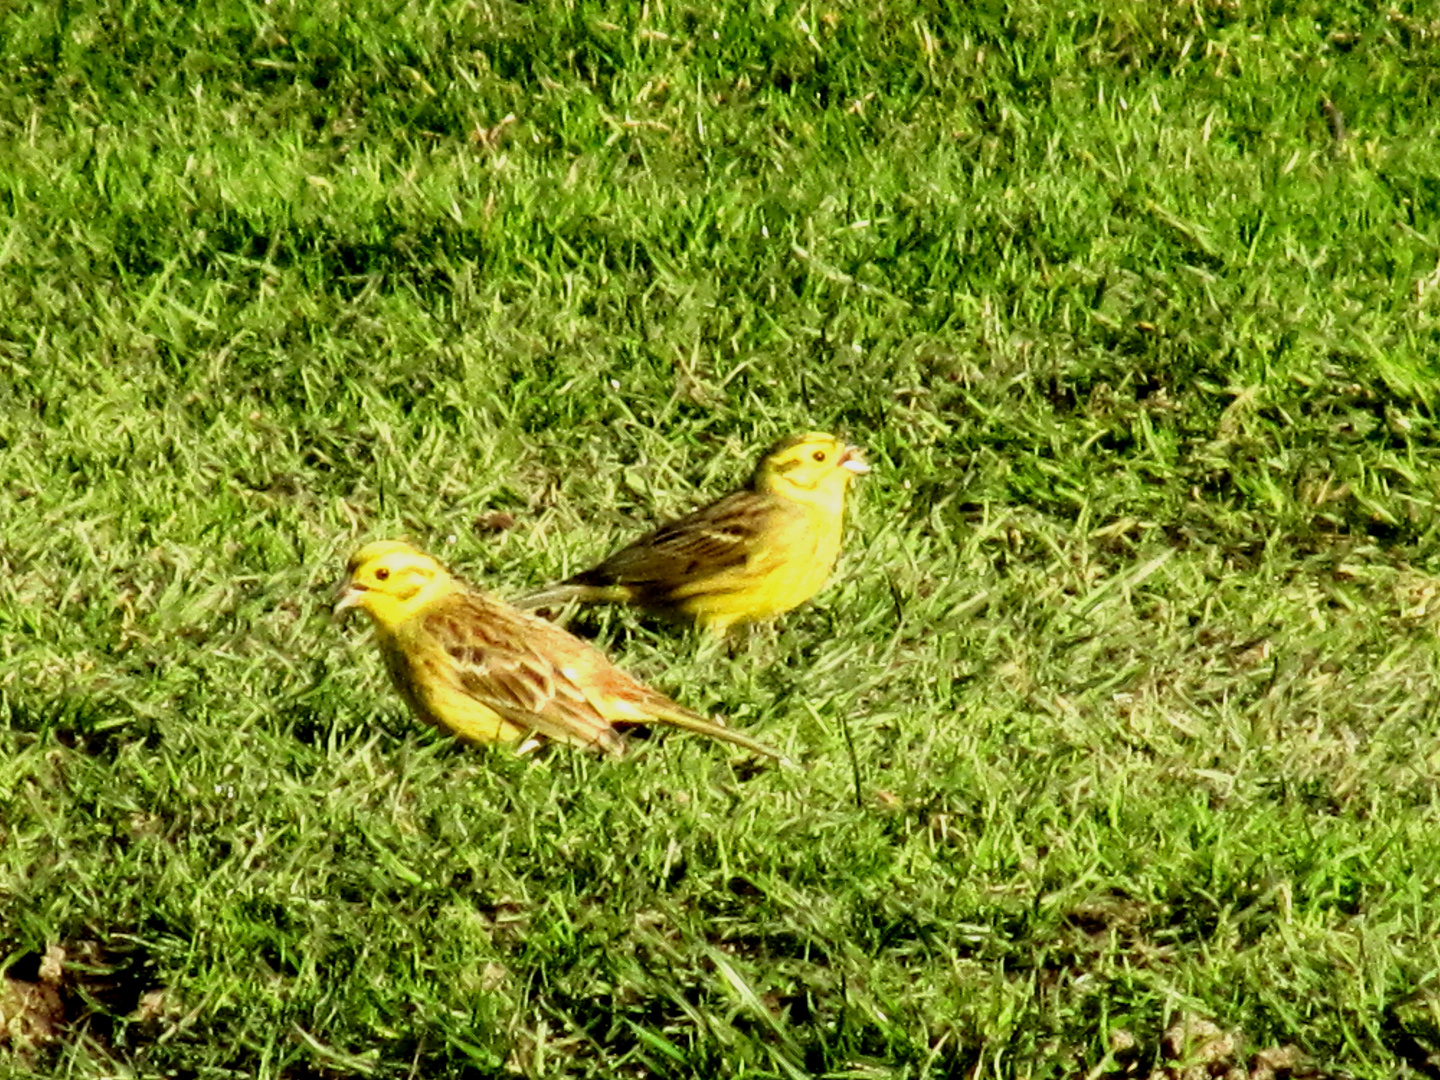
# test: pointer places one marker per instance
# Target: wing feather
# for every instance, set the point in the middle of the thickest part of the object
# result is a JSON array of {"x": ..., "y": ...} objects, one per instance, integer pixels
[
  {"x": 506, "y": 661},
  {"x": 542, "y": 679},
  {"x": 714, "y": 539}
]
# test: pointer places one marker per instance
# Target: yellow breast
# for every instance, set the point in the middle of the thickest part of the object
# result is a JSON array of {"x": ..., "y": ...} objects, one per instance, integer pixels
[
  {"x": 799, "y": 552},
  {"x": 424, "y": 676}
]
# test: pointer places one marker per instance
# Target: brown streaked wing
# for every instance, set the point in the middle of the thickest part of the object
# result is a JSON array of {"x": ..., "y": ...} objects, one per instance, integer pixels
[
  {"x": 713, "y": 538},
  {"x": 503, "y": 659}
]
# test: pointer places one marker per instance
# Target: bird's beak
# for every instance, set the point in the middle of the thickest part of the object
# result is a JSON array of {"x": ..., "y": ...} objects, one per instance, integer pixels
[
  {"x": 852, "y": 460},
  {"x": 347, "y": 596}
]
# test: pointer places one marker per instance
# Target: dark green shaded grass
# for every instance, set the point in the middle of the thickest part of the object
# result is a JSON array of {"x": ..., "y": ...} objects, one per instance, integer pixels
[{"x": 1121, "y": 706}]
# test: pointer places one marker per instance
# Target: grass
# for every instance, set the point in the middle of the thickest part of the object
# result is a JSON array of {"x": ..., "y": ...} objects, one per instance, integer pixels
[{"x": 1120, "y": 710}]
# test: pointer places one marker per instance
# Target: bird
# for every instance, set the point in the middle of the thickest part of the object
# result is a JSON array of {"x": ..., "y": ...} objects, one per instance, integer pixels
[
  {"x": 750, "y": 555},
  {"x": 475, "y": 667}
]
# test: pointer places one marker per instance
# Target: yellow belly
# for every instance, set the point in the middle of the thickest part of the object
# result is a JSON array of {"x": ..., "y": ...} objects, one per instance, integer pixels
[
  {"x": 788, "y": 569},
  {"x": 428, "y": 686}
]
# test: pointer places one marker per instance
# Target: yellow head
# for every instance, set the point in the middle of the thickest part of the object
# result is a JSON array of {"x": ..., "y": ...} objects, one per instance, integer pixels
[
  {"x": 813, "y": 467},
  {"x": 390, "y": 581}
]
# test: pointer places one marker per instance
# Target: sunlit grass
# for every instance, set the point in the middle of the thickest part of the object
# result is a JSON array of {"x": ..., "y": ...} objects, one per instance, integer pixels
[{"x": 1120, "y": 709}]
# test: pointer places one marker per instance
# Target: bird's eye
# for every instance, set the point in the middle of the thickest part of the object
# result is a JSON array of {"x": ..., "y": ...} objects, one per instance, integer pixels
[
  {"x": 382, "y": 574},
  {"x": 819, "y": 455}
]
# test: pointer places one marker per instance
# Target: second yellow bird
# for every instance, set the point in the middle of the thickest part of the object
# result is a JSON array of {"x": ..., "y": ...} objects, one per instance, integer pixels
[
  {"x": 754, "y": 554},
  {"x": 479, "y": 669}
]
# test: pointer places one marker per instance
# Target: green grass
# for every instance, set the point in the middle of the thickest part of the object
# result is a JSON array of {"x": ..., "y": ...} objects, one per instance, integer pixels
[{"x": 1123, "y": 706}]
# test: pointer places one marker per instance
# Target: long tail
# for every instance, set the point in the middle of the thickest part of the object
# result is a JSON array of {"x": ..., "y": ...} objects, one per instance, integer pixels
[
  {"x": 683, "y": 718},
  {"x": 559, "y": 595}
]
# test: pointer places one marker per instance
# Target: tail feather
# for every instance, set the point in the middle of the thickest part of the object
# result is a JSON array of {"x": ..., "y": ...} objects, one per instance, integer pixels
[{"x": 686, "y": 720}]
